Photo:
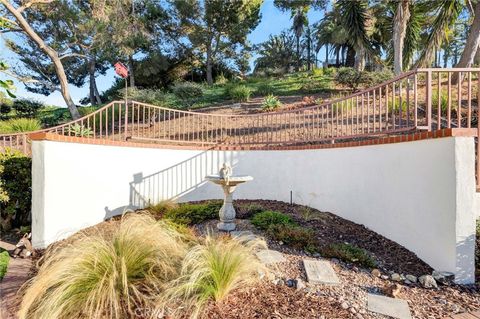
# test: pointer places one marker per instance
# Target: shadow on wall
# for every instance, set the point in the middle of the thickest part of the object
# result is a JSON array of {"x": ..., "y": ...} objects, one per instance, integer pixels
[
  {"x": 178, "y": 180},
  {"x": 465, "y": 260}
]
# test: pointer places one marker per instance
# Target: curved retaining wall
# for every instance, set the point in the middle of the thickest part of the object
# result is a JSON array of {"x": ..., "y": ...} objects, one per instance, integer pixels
[{"x": 420, "y": 194}]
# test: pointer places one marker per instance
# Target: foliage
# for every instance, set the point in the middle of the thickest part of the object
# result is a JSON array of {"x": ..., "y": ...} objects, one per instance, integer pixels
[
  {"x": 162, "y": 207},
  {"x": 5, "y": 104},
  {"x": 191, "y": 214},
  {"x": 26, "y": 108},
  {"x": 150, "y": 96},
  {"x": 187, "y": 90},
  {"x": 248, "y": 210},
  {"x": 266, "y": 219},
  {"x": 79, "y": 130},
  {"x": 349, "y": 253},
  {"x": 210, "y": 271},
  {"x": 270, "y": 103},
  {"x": 15, "y": 188},
  {"x": 376, "y": 77},
  {"x": 294, "y": 236},
  {"x": 6, "y": 85},
  {"x": 19, "y": 125},
  {"x": 350, "y": 77},
  {"x": 239, "y": 93},
  {"x": 105, "y": 274},
  {"x": 278, "y": 52},
  {"x": 4, "y": 259},
  {"x": 221, "y": 79},
  {"x": 264, "y": 88}
]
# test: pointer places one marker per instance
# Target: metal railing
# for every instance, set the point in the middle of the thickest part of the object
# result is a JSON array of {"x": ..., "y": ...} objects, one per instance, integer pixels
[{"x": 422, "y": 99}]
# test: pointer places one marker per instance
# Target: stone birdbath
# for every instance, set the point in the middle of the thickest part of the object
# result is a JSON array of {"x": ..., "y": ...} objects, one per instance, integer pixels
[{"x": 228, "y": 182}]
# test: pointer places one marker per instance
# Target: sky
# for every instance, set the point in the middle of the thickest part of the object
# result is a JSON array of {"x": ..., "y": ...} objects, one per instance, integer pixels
[{"x": 273, "y": 22}]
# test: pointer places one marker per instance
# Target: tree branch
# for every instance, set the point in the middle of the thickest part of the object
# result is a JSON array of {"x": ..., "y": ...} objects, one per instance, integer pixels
[{"x": 68, "y": 55}]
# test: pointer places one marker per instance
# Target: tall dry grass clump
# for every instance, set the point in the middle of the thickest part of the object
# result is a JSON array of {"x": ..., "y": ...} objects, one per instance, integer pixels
[
  {"x": 210, "y": 271},
  {"x": 106, "y": 275}
]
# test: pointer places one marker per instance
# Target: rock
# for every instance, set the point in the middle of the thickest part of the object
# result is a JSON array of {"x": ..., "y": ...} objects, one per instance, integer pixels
[
  {"x": 280, "y": 243},
  {"x": 300, "y": 284},
  {"x": 353, "y": 310},
  {"x": 407, "y": 282},
  {"x": 443, "y": 277},
  {"x": 291, "y": 283},
  {"x": 411, "y": 278},
  {"x": 427, "y": 281},
  {"x": 317, "y": 255},
  {"x": 359, "y": 316},
  {"x": 344, "y": 305},
  {"x": 396, "y": 277},
  {"x": 376, "y": 273},
  {"x": 335, "y": 260},
  {"x": 385, "y": 277},
  {"x": 278, "y": 282}
]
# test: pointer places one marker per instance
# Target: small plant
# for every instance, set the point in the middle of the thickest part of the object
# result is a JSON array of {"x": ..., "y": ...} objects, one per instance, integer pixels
[
  {"x": 264, "y": 88},
  {"x": 443, "y": 101},
  {"x": 266, "y": 219},
  {"x": 294, "y": 236},
  {"x": 4, "y": 259},
  {"x": 210, "y": 271},
  {"x": 162, "y": 207},
  {"x": 239, "y": 93},
  {"x": 106, "y": 275},
  {"x": 221, "y": 80},
  {"x": 79, "y": 130},
  {"x": 247, "y": 211},
  {"x": 270, "y": 103},
  {"x": 187, "y": 90},
  {"x": 191, "y": 214},
  {"x": 349, "y": 253},
  {"x": 19, "y": 125}
]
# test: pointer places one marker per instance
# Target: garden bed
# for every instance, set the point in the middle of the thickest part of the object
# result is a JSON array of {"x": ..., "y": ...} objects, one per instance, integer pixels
[{"x": 312, "y": 236}]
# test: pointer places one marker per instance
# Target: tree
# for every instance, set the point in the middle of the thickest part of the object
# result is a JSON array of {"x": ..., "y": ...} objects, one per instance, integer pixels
[
  {"x": 278, "y": 52},
  {"x": 473, "y": 41},
  {"x": 402, "y": 15},
  {"x": 215, "y": 27},
  {"x": 21, "y": 23}
]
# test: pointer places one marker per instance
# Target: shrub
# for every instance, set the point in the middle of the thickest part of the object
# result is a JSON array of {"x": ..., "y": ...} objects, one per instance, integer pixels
[
  {"x": 221, "y": 80},
  {"x": 15, "y": 189},
  {"x": 248, "y": 210},
  {"x": 79, "y": 130},
  {"x": 52, "y": 115},
  {"x": 270, "y": 103},
  {"x": 350, "y": 78},
  {"x": 239, "y": 93},
  {"x": 85, "y": 110},
  {"x": 191, "y": 214},
  {"x": 266, "y": 219},
  {"x": 4, "y": 259},
  {"x": 349, "y": 253},
  {"x": 210, "y": 271},
  {"x": 330, "y": 71},
  {"x": 187, "y": 90},
  {"x": 26, "y": 108},
  {"x": 106, "y": 275},
  {"x": 150, "y": 96},
  {"x": 264, "y": 88},
  {"x": 19, "y": 125},
  {"x": 162, "y": 207},
  {"x": 294, "y": 236},
  {"x": 377, "y": 77}
]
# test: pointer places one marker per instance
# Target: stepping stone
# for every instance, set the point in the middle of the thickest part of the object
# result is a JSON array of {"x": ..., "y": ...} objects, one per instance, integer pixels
[
  {"x": 396, "y": 308},
  {"x": 244, "y": 236},
  {"x": 320, "y": 272},
  {"x": 268, "y": 256}
]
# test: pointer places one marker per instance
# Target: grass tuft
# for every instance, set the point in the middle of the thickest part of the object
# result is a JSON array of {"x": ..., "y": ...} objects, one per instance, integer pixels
[{"x": 210, "y": 271}]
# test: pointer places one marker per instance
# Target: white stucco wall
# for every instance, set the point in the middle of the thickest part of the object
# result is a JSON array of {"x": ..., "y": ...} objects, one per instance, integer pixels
[{"x": 420, "y": 194}]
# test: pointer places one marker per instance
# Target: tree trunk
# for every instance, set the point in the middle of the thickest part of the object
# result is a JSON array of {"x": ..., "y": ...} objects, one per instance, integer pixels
[
  {"x": 326, "y": 56},
  {"x": 402, "y": 15},
  {"x": 91, "y": 74},
  {"x": 360, "y": 59},
  {"x": 297, "y": 67},
  {"x": 97, "y": 95},
  {"x": 209, "y": 66},
  {"x": 309, "y": 62},
  {"x": 471, "y": 46},
  {"x": 52, "y": 54},
  {"x": 350, "y": 60},
  {"x": 130, "y": 67},
  {"x": 476, "y": 60},
  {"x": 337, "y": 57}
]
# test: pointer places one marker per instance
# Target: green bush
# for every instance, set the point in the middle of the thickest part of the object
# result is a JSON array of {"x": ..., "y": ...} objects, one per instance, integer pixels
[
  {"x": 51, "y": 116},
  {"x": 266, "y": 219},
  {"x": 19, "y": 125},
  {"x": 4, "y": 259},
  {"x": 191, "y": 214},
  {"x": 187, "y": 90},
  {"x": 248, "y": 210},
  {"x": 79, "y": 130},
  {"x": 221, "y": 80},
  {"x": 377, "y": 77},
  {"x": 350, "y": 78},
  {"x": 294, "y": 236},
  {"x": 330, "y": 71},
  {"x": 26, "y": 108},
  {"x": 270, "y": 103},
  {"x": 349, "y": 253},
  {"x": 150, "y": 96},
  {"x": 15, "y": 189},
  {"x": 239, "y": 93},
  {"x": 264, "y": 88}
]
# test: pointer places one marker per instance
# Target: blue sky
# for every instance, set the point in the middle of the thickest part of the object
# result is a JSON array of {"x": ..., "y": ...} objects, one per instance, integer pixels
[{"x": 273, "y": 22}]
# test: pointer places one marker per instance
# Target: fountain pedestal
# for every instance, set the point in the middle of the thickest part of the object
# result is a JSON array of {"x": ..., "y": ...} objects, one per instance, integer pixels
[{"x": 229, "y": 184}]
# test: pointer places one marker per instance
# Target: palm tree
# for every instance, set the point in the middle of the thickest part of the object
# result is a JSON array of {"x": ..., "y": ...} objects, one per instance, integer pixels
[
  {"x": 402, "y": 15},
  {"x": 473, "y": 41},
  {"x": 300, "y": 20}
]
